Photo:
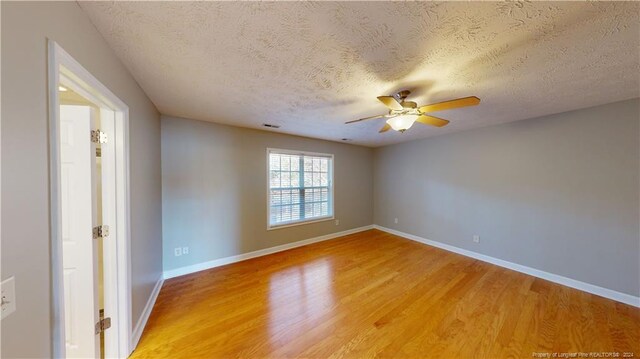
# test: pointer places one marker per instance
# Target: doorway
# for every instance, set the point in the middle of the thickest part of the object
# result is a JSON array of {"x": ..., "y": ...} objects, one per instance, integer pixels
[{"x": 89, "y": 213}]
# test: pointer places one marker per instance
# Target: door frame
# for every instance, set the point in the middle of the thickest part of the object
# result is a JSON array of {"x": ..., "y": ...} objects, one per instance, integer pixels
[{"x": 62, "y": 68}]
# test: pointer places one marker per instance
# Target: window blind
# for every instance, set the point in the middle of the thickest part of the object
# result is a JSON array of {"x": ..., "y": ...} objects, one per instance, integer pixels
[{"x": 300, "y": 187}]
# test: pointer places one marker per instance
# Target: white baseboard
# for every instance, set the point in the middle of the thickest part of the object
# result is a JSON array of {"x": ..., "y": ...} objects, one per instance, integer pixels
[
  {"x": 586, "y": 287},
  {"x": 263, "y": 252},
  {"x": 146, "y": 312}
]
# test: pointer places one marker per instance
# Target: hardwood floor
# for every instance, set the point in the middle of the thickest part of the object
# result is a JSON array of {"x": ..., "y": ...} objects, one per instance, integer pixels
[{"x": 372, "y": 294}]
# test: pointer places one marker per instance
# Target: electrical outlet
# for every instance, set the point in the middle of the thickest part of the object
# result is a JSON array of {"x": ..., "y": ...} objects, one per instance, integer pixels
[
  {"x": 8, "y": 295},
  {"x": 395, "y": 220},
  {"x": 476, "y": 238},
  {"x": 185, "y": 250},
  {"x": 337, "y": 222},
  {"x": 177, "y": 252}
]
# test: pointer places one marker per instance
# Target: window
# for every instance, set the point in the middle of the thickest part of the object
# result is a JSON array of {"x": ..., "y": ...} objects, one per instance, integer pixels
[{"x": 300, "y": 187}]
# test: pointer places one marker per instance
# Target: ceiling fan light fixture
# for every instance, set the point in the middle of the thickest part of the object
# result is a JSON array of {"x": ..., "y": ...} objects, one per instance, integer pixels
[
  {"x": 403, "y": 114},
  {"x": 402, "y": 123}
]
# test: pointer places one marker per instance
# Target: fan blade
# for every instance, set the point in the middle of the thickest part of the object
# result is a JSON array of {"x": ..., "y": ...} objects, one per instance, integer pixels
[
  {"x": 390, "y": 102},
  {"x": 366, "y": 118},
  {"x": 432, "y": 120},
  {"x": 385, "y": 128},
  {"x": 448, "y": 105}
]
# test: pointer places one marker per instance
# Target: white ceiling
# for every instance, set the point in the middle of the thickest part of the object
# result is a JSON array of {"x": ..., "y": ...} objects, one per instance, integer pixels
[{"x": 311, "y": 66}]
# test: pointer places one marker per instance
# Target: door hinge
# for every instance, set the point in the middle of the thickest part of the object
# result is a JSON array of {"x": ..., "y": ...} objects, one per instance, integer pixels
[
  {"x": 98, "y": 136},
  {"x": 100, "y": 232},
  {"x": 103, "y": 325}
]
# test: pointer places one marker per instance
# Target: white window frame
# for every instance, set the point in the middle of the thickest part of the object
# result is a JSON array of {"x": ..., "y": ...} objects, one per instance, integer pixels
[{"x": 331, "y": 189}]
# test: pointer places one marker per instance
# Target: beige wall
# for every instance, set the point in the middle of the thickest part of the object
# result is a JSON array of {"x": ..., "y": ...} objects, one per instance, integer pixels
[
  {"x": 25, "y": 189},
  {"x": 214, "y": 190},
  {"x": 557, "y": 193}
]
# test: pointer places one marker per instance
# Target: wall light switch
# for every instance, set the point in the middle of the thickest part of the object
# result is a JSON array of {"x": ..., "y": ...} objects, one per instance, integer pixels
[
  {"x": 395, "y": 220},
  {"x": 476, "y": 238},
  {"x": 185, "y": 250},
  {"x": 337, "y": 222},
  {"x": 8, "y": 289},
  {"x": 177, "y": 252}
]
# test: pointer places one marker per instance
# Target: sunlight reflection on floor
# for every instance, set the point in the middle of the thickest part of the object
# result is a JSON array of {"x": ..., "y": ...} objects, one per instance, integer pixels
[{"x": 298, "y": 297}]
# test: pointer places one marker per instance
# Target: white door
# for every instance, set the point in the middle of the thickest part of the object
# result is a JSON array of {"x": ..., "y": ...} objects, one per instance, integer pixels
[
  {"x": 109, "y": 246},
  {"x": 79, "y": 216}
]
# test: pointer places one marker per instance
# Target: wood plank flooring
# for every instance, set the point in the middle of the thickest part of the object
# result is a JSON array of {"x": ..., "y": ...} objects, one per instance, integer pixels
[{"x": 373, "y": 294}]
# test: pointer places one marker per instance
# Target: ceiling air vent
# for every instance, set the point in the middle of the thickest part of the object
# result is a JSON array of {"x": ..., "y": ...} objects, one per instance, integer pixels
[{"x": 270, "y": 125}]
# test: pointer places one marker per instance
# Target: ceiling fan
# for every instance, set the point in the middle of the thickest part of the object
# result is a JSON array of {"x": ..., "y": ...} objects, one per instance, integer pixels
[{"x": 403, "y": 114}]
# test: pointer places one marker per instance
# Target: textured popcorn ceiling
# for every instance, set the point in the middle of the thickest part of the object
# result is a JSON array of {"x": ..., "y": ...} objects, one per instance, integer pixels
[{"x": 309, "y": 67}]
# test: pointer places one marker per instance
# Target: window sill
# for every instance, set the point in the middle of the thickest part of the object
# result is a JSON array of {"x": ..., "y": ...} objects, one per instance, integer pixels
[{"x": 299, "y": 223}]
